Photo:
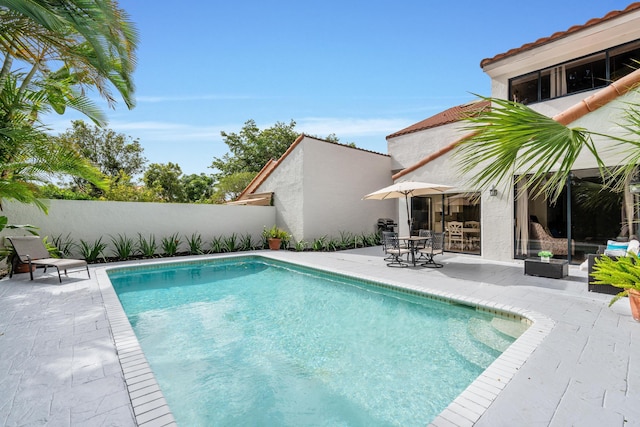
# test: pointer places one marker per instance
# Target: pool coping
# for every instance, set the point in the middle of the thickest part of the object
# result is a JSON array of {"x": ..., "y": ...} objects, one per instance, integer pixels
[{"x": 151, "y": 409}]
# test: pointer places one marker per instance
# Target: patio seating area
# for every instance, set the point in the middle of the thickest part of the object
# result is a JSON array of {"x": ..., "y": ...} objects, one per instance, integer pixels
[{"x": 59, "y": 363}]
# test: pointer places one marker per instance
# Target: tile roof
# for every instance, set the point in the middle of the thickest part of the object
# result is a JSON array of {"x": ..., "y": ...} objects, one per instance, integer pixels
[
  {"x": 560, "y": 34},
  {"x": 452, "y": 115}
]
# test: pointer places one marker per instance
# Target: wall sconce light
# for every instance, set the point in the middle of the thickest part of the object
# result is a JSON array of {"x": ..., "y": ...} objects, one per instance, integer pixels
[
  {"x": 634, "y": 186},
  {"x": 493, "y": 191}
]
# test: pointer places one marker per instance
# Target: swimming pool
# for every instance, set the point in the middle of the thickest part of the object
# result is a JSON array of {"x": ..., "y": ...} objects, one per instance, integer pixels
[{"x": 301, "y": 347}]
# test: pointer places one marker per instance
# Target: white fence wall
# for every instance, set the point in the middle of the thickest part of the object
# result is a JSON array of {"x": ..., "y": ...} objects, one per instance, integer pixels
[{"x": 90, "y": 220}]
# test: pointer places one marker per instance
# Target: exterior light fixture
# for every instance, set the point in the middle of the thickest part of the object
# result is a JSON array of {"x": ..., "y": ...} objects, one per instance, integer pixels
[
  {"x": 634, "y": 186},
  {"x": 493, "y": 191}
]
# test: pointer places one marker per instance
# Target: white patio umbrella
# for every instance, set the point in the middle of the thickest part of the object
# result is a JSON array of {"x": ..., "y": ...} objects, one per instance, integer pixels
[{"x": 406, "y": 189}]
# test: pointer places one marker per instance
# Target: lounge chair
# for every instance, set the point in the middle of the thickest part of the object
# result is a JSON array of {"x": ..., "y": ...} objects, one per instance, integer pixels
[
  {"x": 31, "y": 250},
  {"x": 435, "y": 246}
]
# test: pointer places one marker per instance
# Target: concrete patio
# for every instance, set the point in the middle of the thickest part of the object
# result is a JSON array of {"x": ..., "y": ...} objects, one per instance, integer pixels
[{"x": 63, "y": 361}]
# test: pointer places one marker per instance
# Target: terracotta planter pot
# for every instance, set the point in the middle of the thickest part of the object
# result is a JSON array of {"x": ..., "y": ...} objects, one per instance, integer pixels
[
  {"x": 274, "y": 244},
  {"x": 24, "y": 268},
  {"x": 634, "y": 300}
]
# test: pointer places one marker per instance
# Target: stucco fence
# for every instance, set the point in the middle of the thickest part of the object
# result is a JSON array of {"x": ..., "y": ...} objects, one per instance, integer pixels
[{"x": 91, "y": 220}]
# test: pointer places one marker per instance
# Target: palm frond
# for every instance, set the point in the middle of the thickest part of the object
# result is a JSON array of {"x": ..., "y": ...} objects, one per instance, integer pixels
[{"x": 512, "y": 139}]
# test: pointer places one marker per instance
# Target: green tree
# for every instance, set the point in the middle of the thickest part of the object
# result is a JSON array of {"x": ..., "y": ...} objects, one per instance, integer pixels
[
  {"x": 252, "y": 148},
  {"x": 197, "y": 188},
  {"x": 164, "y": 179},
  {"x": 123, "y": 190},
  {"x": 229, "y": 187},
  {"x": 115, "y": 154}
]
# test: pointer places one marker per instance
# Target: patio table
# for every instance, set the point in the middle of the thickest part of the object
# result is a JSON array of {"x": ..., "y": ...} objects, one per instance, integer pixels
[{"x": 412, "y": 243}]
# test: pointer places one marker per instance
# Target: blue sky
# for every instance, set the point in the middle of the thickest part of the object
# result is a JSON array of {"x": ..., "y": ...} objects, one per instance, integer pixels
[{"x": 359, "y": 69}]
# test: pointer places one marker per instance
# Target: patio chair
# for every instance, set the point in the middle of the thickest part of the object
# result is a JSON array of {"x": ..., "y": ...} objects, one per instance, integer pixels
[
  {"x": 434, "y": 247},
  {"x": 456, "y": 235},
  {"x": 31, "y": 250},
  {"x": 555, "y": 245},
  {"x": 386, "y": 245},
  {"x": 395, "y": 251},
  {"x": 423, "y": 243},
  {"x": 473, "y": 239}
]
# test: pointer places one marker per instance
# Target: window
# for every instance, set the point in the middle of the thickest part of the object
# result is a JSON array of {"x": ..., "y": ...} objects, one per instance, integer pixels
[
  {"x": 624, "y": 60},
  {"x": 442, "y": 212},
  {"x": 591, "y": 72},
  {"x": 525, "y": 89},
  {"x": 586, "y": 75}
]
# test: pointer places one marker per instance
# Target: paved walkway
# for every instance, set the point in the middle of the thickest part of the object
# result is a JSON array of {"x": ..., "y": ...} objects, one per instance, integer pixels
[{"x": 59, "y": 365}]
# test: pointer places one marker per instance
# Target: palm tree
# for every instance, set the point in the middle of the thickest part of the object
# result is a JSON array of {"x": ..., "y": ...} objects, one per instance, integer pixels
[
  {"x": 512, "y": 141},
  {"x": 93, "y": 39},
  {"x": 92, "y": 44}
]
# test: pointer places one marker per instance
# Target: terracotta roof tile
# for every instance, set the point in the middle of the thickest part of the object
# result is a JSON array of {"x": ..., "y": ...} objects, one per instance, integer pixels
[
  {"x": 452, "y": 115},
  {"x": 560, "y": 34}
]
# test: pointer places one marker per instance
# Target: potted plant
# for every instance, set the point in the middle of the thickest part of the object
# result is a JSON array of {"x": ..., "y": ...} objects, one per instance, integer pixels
[
  {"x": 275, "y": 236},
  {"x": 623, "y": 273},
  {"x": 545, "y": 256}
]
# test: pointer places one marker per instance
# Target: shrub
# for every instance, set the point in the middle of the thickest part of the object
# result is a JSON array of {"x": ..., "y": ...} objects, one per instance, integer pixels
[
  {"x": 229, "y": 243},
  {"x": 124, "y": 247},
  {"x": 216, "y": 244},
  {"x": 147, "y": 247},
  {"x": 170, "y": 244},
  {"x": 91, "y": 251},
  {"x": 195, "y": 244},
  {"x": 64, "y": 245},
  {"x": 246, "y": 243}
]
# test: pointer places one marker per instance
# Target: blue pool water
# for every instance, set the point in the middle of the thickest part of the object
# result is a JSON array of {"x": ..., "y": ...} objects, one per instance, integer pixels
[{"x": 249, "y": 341}]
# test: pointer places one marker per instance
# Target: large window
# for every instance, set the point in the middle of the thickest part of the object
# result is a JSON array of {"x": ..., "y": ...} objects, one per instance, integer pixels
[
  {"x": 579, "y": 223},
  {"x": 458, "y": 215},
  {"x": 575, "y": 76}
]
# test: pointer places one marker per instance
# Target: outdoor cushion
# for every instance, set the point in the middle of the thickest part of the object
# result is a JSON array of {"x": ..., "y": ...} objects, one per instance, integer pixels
[{"x": 616, "y": 248}]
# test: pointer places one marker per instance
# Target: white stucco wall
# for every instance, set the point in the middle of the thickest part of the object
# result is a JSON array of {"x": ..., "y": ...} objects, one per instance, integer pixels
[
  {"x": 286, "y": 183},
  {"x": 408, "y": 149},
  {"x": 336, "y": 178},
  {"x": 318, "y": 189},
  {"x": 90, "y": 220}
]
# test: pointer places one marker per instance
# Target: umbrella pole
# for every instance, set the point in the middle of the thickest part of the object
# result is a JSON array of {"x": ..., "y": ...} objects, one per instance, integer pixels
[{"x": 406, "y": 201}]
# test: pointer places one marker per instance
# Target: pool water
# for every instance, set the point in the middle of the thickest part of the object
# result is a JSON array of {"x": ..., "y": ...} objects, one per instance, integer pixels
[{"x": 254, "y": 342}]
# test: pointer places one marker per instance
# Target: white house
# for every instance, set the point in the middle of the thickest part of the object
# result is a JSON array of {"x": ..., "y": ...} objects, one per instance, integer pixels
[
  {"x": 581, "y": 77},
  {"x": 318, "y": 187}
]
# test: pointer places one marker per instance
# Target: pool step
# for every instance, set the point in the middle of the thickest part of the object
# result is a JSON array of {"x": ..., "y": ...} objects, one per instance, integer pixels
[
  {"x": 477, "y": 341},
  {"x": 509, "y": 327},
  {"x": 489, "y": 335}
]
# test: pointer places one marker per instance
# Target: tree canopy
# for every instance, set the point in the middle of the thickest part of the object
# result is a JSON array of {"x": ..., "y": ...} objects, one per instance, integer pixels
[
  {"x": 252, "y": 148},
  {"x": 115, "y": 154},
  {"x": 164, "y": 180}
]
